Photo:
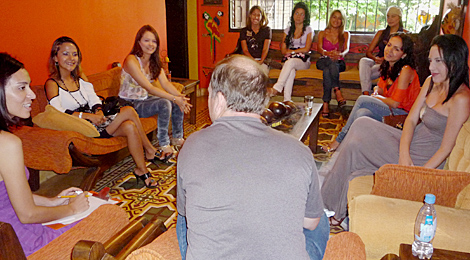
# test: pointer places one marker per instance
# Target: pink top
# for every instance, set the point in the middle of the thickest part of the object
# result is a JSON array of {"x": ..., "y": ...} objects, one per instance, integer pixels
[{"x": 328, "y": 46}]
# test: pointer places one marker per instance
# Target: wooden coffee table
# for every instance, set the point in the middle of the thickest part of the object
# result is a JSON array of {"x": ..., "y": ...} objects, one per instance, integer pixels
[
  {"x": 441, "y": 254},
  {"x": 307, "y": 126},
  {"x": 190, "y": 88}
]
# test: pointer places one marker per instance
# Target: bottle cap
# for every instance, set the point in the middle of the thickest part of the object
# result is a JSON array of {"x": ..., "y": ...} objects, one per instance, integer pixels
[{"x": 430, "y": 198}]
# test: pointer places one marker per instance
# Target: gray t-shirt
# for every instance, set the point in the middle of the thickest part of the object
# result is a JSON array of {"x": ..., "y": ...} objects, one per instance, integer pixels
[{"x": 245, "y": 189}]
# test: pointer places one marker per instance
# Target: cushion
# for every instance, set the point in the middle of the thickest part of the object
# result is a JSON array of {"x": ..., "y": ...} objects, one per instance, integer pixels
[
  {"x": 345, "y": 245},
  {"x": 360, "y": 185},
  {"x": 392, "y": 180},
  {"x": 459, "y": 158},
  {"x": 53, "y": 119}
]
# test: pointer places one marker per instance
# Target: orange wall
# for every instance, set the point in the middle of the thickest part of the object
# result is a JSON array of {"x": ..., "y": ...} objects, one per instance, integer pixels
[
  {"x": 103, "y": 29},
  {"x": 227, "y": 43}
]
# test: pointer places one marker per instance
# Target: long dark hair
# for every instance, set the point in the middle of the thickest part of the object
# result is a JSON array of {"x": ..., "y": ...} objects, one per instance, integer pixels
[
  {"x": 8, "y": 67},
  {"x": 54, "y": 71},
  {"x": 290, "y": 35},
  {"x": 408, "y": 49},
  {"x": 155, "y": 65},
  {"x": 455, "y": 54}
]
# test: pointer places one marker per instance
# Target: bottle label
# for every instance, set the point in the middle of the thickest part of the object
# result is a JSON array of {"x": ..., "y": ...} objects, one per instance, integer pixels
[{"x": 427, "y": 230}]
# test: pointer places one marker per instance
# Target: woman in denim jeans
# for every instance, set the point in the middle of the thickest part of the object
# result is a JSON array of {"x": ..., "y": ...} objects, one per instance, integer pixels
[
  {"x": 397, "y": 89},
  {"x": 333, "y": 45},
  {"x": 141, "y": 68}
]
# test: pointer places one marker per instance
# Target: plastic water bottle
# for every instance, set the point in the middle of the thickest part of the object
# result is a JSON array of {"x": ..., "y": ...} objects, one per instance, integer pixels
[{"x": 425, "y": 229}]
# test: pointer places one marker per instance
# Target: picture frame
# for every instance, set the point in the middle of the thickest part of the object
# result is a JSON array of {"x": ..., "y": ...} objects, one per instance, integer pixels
[{"x": 212, "y": 2}]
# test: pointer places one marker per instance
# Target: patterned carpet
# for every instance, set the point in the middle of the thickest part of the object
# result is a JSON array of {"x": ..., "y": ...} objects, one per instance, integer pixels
[{"x": 140, "y": 201}]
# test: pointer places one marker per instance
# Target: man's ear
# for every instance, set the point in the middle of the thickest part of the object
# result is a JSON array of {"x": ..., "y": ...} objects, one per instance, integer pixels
[{"x": 220, "y": 103}]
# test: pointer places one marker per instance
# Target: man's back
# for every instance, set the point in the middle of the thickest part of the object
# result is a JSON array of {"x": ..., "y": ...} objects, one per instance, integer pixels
[{"x": 244, "y": 189}]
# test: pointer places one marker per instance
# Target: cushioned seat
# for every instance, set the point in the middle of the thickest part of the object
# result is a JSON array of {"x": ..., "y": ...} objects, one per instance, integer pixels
[{"x": 383, "y": 208}]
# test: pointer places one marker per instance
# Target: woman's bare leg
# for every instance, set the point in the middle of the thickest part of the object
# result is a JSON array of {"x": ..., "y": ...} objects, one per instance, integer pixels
[
  {"x": 134, "y": 143},
  {"x": 128, "y": 113}
]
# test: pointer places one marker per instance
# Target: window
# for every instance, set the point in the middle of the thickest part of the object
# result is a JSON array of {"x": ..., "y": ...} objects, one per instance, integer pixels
[{"x": 361, "y": 15}]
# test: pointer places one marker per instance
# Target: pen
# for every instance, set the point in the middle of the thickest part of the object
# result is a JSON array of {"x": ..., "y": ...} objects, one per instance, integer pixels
[{"x": 77, "y": 193}]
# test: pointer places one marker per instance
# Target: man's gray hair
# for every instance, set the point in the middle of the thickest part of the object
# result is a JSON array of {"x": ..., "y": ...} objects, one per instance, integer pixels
[{"x": 243, "y": 83}]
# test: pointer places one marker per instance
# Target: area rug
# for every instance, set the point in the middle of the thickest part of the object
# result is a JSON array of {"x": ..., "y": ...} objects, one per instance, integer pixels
[{"x": 161, "y": 202}]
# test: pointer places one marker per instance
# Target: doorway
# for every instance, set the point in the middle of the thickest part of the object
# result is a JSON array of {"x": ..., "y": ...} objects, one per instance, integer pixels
[{"x": 177, "y": 37}]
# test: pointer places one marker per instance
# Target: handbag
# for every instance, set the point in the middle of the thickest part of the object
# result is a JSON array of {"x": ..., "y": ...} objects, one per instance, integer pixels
[
  {"x": 396, "y": 121},
  {"x": 112, "y": 105},
  {"x": 303, "y": 56}
]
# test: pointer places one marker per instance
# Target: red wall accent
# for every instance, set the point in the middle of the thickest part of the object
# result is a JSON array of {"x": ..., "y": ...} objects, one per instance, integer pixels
[
  {"x": 227, "y": 43},
  {"x": 466, "y": 30},
  {"x": 104, "y": 30}
]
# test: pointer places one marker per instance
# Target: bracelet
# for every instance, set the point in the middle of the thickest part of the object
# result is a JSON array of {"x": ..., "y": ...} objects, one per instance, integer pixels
[{"x": 80, "y": 115}]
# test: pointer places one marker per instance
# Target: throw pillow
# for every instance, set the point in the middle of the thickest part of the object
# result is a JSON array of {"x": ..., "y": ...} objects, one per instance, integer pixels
[{"x": 53, "y": 119}]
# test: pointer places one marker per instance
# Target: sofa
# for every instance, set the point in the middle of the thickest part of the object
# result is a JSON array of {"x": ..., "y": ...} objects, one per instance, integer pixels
[
  {"x": 60, "y": 151},
  {"x": 383, "y": 207},
  {"x": 309, "y": 82}
]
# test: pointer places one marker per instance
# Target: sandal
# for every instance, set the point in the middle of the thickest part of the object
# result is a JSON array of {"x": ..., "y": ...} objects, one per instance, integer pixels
[
  {"x": 144, "y": 177},
  {"x": 328, "y": 149},
  {"x": 334, "y": 222},
  {"x": 342, "y": 101},
  {"x": 163, "y": 154},
  {"x": 271, "y": 92},
  {"x": 325, "y": 114},
  {"x": 177, "y": 141}
]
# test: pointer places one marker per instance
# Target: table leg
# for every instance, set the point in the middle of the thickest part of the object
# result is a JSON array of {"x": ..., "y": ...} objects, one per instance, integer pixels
[
  {"x": 192, "y": 114},
  {"x": 313, "y": 133}
]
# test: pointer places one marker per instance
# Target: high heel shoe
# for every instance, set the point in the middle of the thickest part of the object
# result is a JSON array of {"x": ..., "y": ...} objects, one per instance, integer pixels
[
  {"x": 177, "y": 141},
  {"x": 163, "y": 154},
  {"x": 144, "y": 177},
  {"x": 342, "y": 103},
  {"x": 334, "y": 222}
]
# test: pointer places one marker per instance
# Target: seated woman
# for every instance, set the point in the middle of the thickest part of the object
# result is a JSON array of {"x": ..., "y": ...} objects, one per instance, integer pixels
[
  {"x": 295, "y": 46},
  {"x": 369, "y": 66},
  {"x": 69, "y": 93},
  {"x": 18, "y": 206},
  {"x": 255, "y": 38},
  {"x": 333, "y": 45},
  {"x": 397, "y": 89},
  {"x": 443, "y": 106},
  {"x": 140, "y": 70}
]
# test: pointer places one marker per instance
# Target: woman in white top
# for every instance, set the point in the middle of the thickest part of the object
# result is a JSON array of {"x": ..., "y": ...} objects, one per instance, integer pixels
[
  {"x": 295, "y": 46},
  {"x": 69, "y": 93},
  {"x": 141, "y": 68}
]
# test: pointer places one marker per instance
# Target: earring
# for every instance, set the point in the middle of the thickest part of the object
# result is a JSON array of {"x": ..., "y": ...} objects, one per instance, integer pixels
[{"x": 56, "y": 64}]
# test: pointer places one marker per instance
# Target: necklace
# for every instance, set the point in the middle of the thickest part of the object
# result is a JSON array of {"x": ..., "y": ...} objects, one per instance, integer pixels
[{"x": 78, "y": 88}]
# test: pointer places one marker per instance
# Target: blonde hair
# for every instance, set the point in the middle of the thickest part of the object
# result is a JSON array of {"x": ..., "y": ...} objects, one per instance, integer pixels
[{"x": 341, "y": 28}]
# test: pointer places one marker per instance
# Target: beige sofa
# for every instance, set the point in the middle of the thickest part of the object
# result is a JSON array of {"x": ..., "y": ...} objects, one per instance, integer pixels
[{"x": 383, "y": 208}]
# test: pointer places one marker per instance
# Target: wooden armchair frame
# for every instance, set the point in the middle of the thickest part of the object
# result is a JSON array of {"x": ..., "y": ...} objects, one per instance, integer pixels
[{"x": 137, "y": 233}]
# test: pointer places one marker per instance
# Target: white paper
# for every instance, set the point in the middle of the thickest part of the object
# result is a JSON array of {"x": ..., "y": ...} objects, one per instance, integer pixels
[{"x": 95, "y": 202}]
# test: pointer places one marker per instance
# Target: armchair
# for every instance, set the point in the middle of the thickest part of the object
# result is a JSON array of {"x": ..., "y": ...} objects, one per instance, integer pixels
[
  {"x": 107, "y": 232},
  {"x": 383, "y": 208}
]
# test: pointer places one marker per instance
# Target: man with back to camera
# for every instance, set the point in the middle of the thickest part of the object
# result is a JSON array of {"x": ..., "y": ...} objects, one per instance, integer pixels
[{"x": 247, "y": 191}]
